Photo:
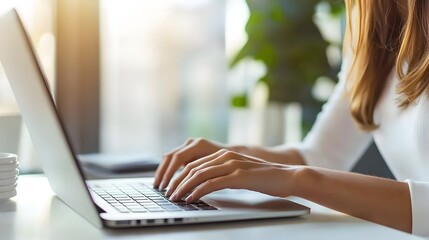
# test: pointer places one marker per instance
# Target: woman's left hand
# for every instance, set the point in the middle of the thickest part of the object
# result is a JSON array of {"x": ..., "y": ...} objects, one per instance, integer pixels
[{"x": 226, "y": 169}]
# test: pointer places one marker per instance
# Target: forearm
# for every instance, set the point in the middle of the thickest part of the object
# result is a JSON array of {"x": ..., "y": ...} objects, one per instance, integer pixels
[
  {"x": 379, "y": 200},
  {"x": 282, "y": 155}
]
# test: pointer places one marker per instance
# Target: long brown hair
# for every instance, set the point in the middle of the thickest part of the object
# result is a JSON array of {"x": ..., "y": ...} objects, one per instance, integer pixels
[{"x": 385, "y": 37}]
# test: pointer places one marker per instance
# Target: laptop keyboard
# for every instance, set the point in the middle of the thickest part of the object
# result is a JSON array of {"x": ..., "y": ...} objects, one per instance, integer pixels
[{"x": 141, "y": 198}]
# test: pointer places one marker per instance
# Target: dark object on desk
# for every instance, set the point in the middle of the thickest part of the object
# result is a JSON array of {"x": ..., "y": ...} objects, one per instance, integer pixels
[
  {"x": 372, "y": 163},
  {"x": 113, "y": 163}
]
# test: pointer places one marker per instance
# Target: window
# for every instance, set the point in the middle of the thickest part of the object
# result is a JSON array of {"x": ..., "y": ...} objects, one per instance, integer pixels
[{"x": 163, "y": 74}]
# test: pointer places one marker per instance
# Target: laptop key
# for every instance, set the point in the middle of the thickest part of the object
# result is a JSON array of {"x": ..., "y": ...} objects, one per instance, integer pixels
[
  {"x": 139, "y": 198},
  {"x": 113, "y": 191},
  {"x": 188, "y": 208},
  {"x": 157, "y": 200},
  {"x": 208, "y": 208},
  {"x": 156, "y": 210},
  {"x": 136, "y": 195},
  {"x": 203, "y": 206},
  {"x": 134, "y": 209},
  {"x": 182, "y": 204},
  {"x": 123, "y": 198},
  {"x": 123, "y": 210},
  {"x": 171, "y": 208},
  {"x": 132, "y": 205},
  {"x": 139, "y": 211},
  {"x": 151, "y": 206},
  {"x": 157, "y": 197},
  {"x": 119, "y": 196},
  {"x": 174, "y": 210},
  {"x": 200, "y": 205},
  {"x": 149, "y": 195},
  {"x": 162, "y": 193}
]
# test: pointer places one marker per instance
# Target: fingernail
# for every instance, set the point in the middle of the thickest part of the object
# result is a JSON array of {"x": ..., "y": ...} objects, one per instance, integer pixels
[
  {"x": 189, "y": 198},
  {"x": 161, "y": 187},
  {"x": 168, "y": 193},
  {"x": 173, "y": 198}
]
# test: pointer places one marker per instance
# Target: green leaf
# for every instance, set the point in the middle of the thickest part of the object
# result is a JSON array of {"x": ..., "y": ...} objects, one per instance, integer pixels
[
  {"x": 239, "y": 101},
  {"x": 283, "y": 36}
]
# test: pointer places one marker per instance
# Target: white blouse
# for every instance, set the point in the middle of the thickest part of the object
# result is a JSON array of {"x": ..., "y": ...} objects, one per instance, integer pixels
[{"x": 336, "y": 142}]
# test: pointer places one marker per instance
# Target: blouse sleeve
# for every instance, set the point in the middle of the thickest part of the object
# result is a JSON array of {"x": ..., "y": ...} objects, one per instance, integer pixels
[
  {"x": 335, "y": 141},
  {"x": 419, "y": 192}
]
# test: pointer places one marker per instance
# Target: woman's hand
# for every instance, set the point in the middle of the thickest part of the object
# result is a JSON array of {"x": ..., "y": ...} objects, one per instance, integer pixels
[
  {"x": 192, "y": 150},
  {"x": 227, "y": 169}
]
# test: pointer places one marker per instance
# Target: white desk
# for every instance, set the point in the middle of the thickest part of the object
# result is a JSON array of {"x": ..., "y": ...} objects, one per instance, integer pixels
[{"x": 36, "y": 213}]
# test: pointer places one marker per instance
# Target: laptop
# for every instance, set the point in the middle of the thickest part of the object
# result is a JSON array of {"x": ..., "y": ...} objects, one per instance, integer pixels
[{"x": 112, "y": 203}]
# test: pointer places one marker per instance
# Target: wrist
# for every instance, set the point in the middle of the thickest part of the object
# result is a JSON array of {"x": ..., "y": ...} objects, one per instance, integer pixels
[{"x": 305, "y": 181}]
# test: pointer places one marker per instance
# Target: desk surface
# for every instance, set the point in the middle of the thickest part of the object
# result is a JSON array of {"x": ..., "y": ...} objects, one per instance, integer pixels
[{"x": 36, "y": 213}]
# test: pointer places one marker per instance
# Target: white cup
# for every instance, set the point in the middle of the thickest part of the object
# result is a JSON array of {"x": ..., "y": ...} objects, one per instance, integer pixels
[
  {"x": 8, "y": 159},
  {"x": 8, "y": 175}
]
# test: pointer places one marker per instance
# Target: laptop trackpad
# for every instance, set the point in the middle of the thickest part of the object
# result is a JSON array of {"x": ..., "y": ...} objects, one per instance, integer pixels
[{"x": 248, "y": 200}]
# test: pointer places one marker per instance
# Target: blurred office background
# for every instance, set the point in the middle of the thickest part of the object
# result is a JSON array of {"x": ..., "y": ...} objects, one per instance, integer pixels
[{"x": 140, "y": 77}]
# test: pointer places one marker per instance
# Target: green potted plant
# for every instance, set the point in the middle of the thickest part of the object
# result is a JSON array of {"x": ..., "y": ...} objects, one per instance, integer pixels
[{"x": 283, "y": 36}]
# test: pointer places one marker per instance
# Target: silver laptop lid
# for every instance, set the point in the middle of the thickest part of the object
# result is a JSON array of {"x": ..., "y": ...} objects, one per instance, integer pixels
[{"x": 40, "y": 115}]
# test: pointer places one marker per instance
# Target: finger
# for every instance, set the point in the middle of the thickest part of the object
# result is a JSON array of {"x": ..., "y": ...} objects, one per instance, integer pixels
[
  {"x": 191, "y": 168},
  {"x": 232, "y": 181},
  {"x": 180, "y": 158},
  {"x": 200, "y": 177},
  {"x": 222, "y": 158},
  {"x": 228, "y": 160},
  {"x": 201, "y": 147},
  {"x": 219, "y": 159},
  {"x": 166, "y": 162},
  {"x": 161, "y": 169}
]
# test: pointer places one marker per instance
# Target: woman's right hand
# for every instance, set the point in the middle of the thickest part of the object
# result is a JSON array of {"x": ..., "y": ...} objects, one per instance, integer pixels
[{"x": 190, "y": 151}]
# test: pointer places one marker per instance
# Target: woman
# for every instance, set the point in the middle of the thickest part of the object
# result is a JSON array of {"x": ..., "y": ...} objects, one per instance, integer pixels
[{"x": 382, "y": 95}]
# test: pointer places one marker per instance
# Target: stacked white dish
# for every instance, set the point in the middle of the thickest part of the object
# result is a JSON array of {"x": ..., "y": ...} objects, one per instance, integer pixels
[{"x": 8, "y": 175}]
